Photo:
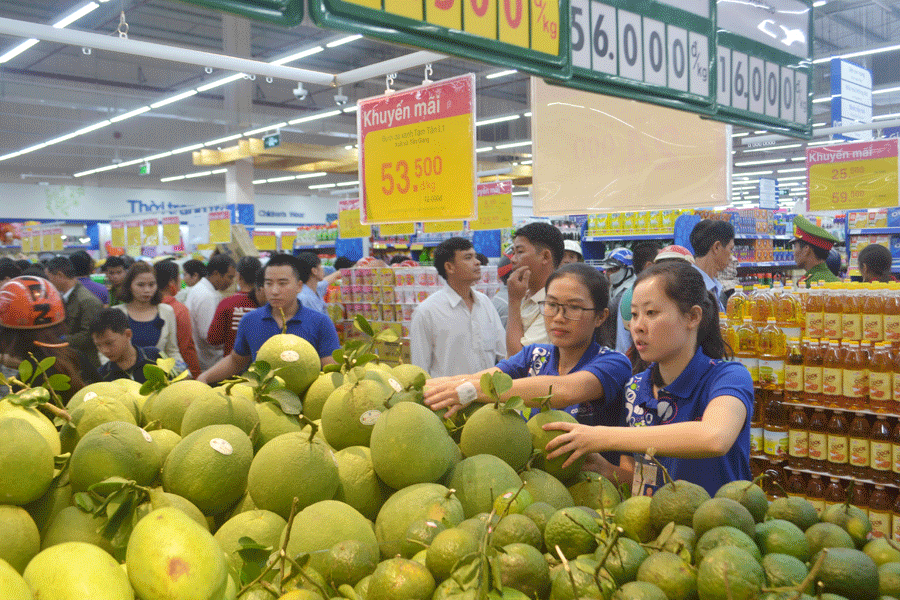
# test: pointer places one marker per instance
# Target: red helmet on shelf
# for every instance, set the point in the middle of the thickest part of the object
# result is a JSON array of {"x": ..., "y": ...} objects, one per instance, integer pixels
[{"x": 30, "y": 303}]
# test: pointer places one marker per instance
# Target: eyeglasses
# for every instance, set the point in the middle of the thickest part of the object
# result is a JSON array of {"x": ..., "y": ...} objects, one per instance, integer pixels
[{"x": 571, "y": 313}]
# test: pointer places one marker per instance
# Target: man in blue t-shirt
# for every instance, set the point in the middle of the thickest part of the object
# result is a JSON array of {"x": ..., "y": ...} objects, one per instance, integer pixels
[{"x": 282, "y": 284}]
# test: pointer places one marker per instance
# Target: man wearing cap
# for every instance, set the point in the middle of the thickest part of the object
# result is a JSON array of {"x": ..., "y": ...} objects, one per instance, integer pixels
[
  {"x": 571, "y": 252},
  {"x": 811, "y": 247}
]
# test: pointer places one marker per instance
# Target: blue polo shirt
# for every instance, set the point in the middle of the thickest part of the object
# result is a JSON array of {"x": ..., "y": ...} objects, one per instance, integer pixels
[
  {"x": 259, "y": 325},
  {"x": 685, "y": 399},
  {"x": 611, "y": 368}
]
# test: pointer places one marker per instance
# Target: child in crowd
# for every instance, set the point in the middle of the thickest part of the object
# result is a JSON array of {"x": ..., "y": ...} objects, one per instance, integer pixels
[{"x": 113, "y": 339}]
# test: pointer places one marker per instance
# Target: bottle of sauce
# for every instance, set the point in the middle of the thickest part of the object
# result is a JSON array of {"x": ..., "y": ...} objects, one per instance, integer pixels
[
  {"x": 793, "y": 370},
  {"x": 757, "y": 435},
  {"x": 798, "y": 439},
  {"x": 859, "y": 446},
  {"x": 832, "y": 375},
  {"x": 880, "y": 379},
  {"x": 834, "y": 493},
  {"x": 880, "y": 450},
  {"x": 775, "y": 429},
  {"x": 812, "y": 372},
  {"x": 892, "y": 314},
  {"x": 748, "y": 348},
  {"x": 818, "y": 441},
  {"x": 851, "y": 317},
  {"x": 860, "y": 497},
  {"x": 814, "y": 308},
  {"x": 880, "y": 512},
  {"x": 873, "y": 313},
  {"x": 832, "y": 309},
  {"x": 895, "y": 520},
  {"x": 815, "y": 493},
  {"x": 895, "y": 454},
  {"x": 771, "y": 356},
  {"x": 854, "y": 378},
  {"x": 838, "y": 445},
  {"x": 796, "y": 485}
]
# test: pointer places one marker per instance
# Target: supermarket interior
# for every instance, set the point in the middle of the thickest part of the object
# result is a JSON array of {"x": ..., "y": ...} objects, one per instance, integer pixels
[{"x": 376, "y": 129}]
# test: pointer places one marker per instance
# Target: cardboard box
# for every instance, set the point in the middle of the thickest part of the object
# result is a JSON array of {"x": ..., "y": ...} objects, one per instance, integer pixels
[
  {"x": 241, "y": 244},
  {"x": 893, "y": 217},
  {"x": 895, "y": 247}
]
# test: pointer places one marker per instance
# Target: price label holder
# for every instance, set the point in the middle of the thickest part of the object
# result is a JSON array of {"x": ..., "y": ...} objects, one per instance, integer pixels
[
  {"x": 150, "y": 232},
  {"x": 265, "y": 240},
  {"x": 349, "y": 224},
  {"x": 527, "y": 35},
  {"x": 417, "y": 153},
  {"x": 220, "y": 227},
  {"x": 659, "y": 51},
  {"x": 26, "y": 240},
  {"x": 494, "y": 206},
  {"x": 443, "y": 227},
  {"x": 117, "y": 234},
  {"x": 764, "y": 65},
  {"x": 56, "y": 239},
  {"x": 854, "y": 175},
  {"x": 171, "y": 230},
  {"x": 397, "y": 229},
  {"x": 133, "y": 233},
  {"x": 46, "y": 239}
]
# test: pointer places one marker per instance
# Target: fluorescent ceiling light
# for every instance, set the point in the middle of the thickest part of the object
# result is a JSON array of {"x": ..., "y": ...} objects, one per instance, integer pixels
[
  {"x": 346, "y": 183},
  {"x": 187, "y": 148},
  {"x": 128, "y": 115},
  {"x": 160, "y": 155},
  {"x": 750, "y": 163},
  {"x": 818, "y": 3},
  {"x": 314, "y": 117},
  {"x": 793, "y": 170},
  {"x": 93, "y": 127},
  {"x": 501, "y": 74},
  {"x": 513, "y": 145},
  {"x": 342, "y": 41},
  {"x": 175, "y": 178},
  {"x": 484, "y": 149},
  {"x": 322, "y": 186},
  {"x": 756, "y": 173},
  {"x": 214, "y": 84},
  {"x": 886, "y": 90},
  {"x": 351, "y": 109},
  {"x": 266, "y": 128},
  {"x": 310, "y": 175},
  {"x": 75, "y": 15},
  {"x": 742, "y": 134},
  {"x": 219, "y": 171},
  {"x": 860, "y": 53},
  {"x": 526, "y": 162},
  {"x": 17, "y": 50},
  {"x": 131, "y": 162},
  {"x": 10, "y": 155},
  {"x": 200, "y": 174},
  {"x": 822, "y": 99},
  {"x": 528, "y": 114},
  {"x": 822, "y": 143},
  {"x": 277, "y": 179},
  {"x": 767, "y": 148},
  {"x": 792, "y": 178},
  {"x": 227, "y": 138},
  {"x": 887, "y": 116},
  {"x": 174, "y": 98},
  {"x": 298, "y": 55},
  {"x": 521, "y": 193},
  {"x": 496, "y": 120},
  {"x": 258, "y": 181}
]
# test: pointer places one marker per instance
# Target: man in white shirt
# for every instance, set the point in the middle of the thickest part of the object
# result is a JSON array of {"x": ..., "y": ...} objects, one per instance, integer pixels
[
  {"x": 456, "y": 330},
  {"x": 202, "y": 302},
  {"x": 537, "y": 252},
  {"x": 713, "y": 242},
  {"x": 311, "y": 274}
]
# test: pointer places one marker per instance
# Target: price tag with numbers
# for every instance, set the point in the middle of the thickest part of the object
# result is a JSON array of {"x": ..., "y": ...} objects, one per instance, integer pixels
[
  {"x": 417, "y": 153},
  {"x": 494, "y": 206},
  {"x": 661, "y": 47},
  {"x": 854, "y": 175}
]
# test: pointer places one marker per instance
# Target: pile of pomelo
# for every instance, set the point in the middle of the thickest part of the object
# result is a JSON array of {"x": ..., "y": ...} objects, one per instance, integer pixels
[{"x": 202, "y": 493}]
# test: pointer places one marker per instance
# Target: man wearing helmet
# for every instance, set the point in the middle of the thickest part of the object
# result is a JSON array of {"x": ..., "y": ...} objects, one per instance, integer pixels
[{"x": 619, "y": 269}]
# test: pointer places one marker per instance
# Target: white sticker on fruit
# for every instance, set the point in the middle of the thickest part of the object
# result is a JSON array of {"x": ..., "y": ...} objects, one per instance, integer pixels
[
  {"x": 146, "y": 436},
  {"x": 369, "y": 417},
  {"x": 221, "y": 446},
  {"x": 290, "y": 356},
  {"x": 395, "y": 384},
  {"x": 90, "y": 396}
]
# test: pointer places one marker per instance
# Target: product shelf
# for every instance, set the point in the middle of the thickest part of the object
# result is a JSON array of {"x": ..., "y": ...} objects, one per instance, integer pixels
[
  {"x": 874, "y": 231},
  {"x": 316, "y": 246},
  {"x": 778, "y": 264},
  {"x": 610, "y": 238},
  {"x": 871, "y": 413},
  {"x": 761, "y": 236},
  {"x": 825, "y": 474}
]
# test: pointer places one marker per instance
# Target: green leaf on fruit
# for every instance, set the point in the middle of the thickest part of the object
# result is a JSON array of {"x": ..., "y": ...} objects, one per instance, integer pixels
[
  {"x": 260, "y": 368},
  {"x": 502, "y": 382},
  {"x": 333, "y": 368},
  {"x": 84, "y": 501},
  {"x": 487, "y": 385},
  {"x": 514, "y": 403},
  {"x": 59, "y": 382},
  {"x": 26, "y": 369},
  {"x": 45, "y": 364},
  {"x": 419, "y": 381},
  {"x": 362, "y": 325},
  {"x": 166, "y": 364},
  {"x": 338, "y": 355},
  {"x": 387, "y": 335},
  {"x": 288, "y": 401}
]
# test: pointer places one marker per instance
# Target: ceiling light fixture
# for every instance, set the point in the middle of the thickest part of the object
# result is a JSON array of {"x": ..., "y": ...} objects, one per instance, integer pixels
[
  {"x": 767, "y": 148},
  {"x": 513, "y": 145},
  {"x": 264, "y": 129},
  {"x": 496, "y": 120},
  {"x": 750, "y": 163},
  {"x": 128, "y": 115},
  {"x": 61, "y": 24},
  {"x": 501, "y": 74},
  {"x": 322, "y": 186},
  {"x": 298, "y": 55},
  {"x": 314, "y": 117},
  {"x": 868, "y": 52},
  {"x": 342, "y": 41}
]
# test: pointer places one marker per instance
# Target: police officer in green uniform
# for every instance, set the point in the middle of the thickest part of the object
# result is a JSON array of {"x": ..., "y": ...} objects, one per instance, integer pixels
[{"x": 811, "y": 247}]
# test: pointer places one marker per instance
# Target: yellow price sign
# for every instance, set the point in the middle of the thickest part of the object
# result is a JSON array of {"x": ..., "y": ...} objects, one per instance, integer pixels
[
  {"x": 265, "y": 240},
  {"x": 117, "y": 230},
  {"x": 56, "y": 239},
  {"x": 133, "y": 234},
  {"x": 349, "y": 224},
  {"x": 854, "y": 175},
  {"x": 46, "y": 240},
  {"x": 150, "y": 232},
  {"x": 494, "y": 206},
  {"x": 417, "y": 154},
  {"x": 397, "y": 229},
  {"x": 220, "y": 227},
  {"x": 171, "y": 231},
  {"x": 443, "y": 226},
  {"x": 26, "y": 240},
  {"x": 287, "y": 241}
]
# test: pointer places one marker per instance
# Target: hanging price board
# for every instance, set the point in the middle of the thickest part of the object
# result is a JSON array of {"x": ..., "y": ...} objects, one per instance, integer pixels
[
  {"x": 349, "y": 224},
  {"x": 287, "y": 241},
  {"x": 171, "y": 230},
  {"x": 46, "y": 239},
  {"x": 133, "y": 233},
  {"x": 56, "y": 239},
  {"x": 265, "y": 240},
  {"x": 26, "y": 240},
  {"x": 220, "y": 227},
  {"x": 659, "y": 51},
  {"x": 117, "y": 230},
  {"x": 528, "y": 35},
  {"x": 417, "y": 153},
  {"x": 443, "y": 227},
  {"x": 494, "y": 206},
  {"x": 854, "y": 175},
  {"x": 150, "y": 232}
]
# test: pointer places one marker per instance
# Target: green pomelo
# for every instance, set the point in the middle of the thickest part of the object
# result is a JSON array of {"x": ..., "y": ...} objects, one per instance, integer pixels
[
  {"x": 20, "y": 539},
  {"x": 729, "y": 573},
  {"x": 595, "y": 491},
  {"x": 360, "y": 487},
  {"x": 162, "y": 499},
  {"x": 850, "y": 573},
  {"x": 750, "y": 495},
  {"x": 409, "y": 445},
  {"x": 583, "y": 575},
  {"x": 209, "y": 467},
  {"x": 37, "y": 419},
  {"x": 215, "y": 408},
  {"x": 676, "y": 501},
  {"x": 480, "y": 479},
  {"x": 170, "y": 403},
  {"x": 573, "y": 531},
  {"x": 74, "y": 525},
  {"x": 400, "y": 579},
  {"x": 166, "y": 440},
  {"x": 419, "y": 536},
  {"x": 350, "y": 413},
  {"x": 517, "y": 529},
  {"x": 825, "y": 535},
  {"x": 12, "y": 586},
  {"x": 784, "y": 570},
  {"x": 291, "y": 466},
  {"x": 852, "y": 519},
  {"x": 106, "y": 389},
  {"x": 45, "y": 508},
  {"x": 320, "y": 526},
  {"x": 447, "y": 551},
  {"x": 677, "y": 539},
  {"x": 131, "y": 396},
  {"x": 318, "y": 393},
  {"x": 498, "y": 432},
  {"x": 670, "y": 573},
  {"x": 406, "y": 374},
  {"x": 293, "y": 359},
  {"x": 544, "y": 487},
  {"x": 75, "y": 571},
  {"x": 428, "y": 501},
  {"x": 723, "y": 511},
  {"x": 523, "y": 568},
  {"x": 725, "y": 536},
  {"x": 798, "y": 511},
  {"x": 783, "y": 537},
  {"x": 171, "y": 557},
  {"x": 881, "y": 551},
  {"x": 633, "y": 515},
  {"x": 540, "y": 438},
  {"x": 639, "y": 590},
  {"x": 623, "y": 560},
  {"x": 272, "y": 423},
  {"x": 262, "y": 526},
  {"x": 349, "y": 561},
  {"x": 97, "y": 411},
  {"x": 26, "y": 462}
]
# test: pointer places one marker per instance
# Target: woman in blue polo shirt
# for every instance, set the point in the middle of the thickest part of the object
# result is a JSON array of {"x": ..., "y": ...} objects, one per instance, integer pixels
[
  {"x": 692, "y": 407},
  {"x": 587, "y": 378}
]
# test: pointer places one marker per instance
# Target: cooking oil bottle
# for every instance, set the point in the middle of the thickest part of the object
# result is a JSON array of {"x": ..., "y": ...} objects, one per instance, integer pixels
[
  {"x": 892, "y": 314},
  {"x": 855, "y": 378},
  {"x": 813, "y": 355},
  {"x": 880, "y": 512},
  {"x": 851, "y": 316},
  {"x": 775, "y": 429},
  {"x": 727, "y": 331},
  {"x": 798, "y": 439},
  {"x": 818, "y": 441},
  {"x": 873, "y": 312},
  {"x": 793, "y": 369},
  {"x": 859, "y": 446},
  {"x": 838, "y": 445},
  {"x": 832, "y": 375},
  {"x": 737, "y": 307},
  {"x": 832, "y": 309},
  {"x": 760, "y": 306},
  {"x": 815, "y": 493},
  {"x": 880, "y": 375},
  {"x": 813, "y": 312},
  {"x": 772, "y": 350},
  {"x": 787, "y": 311},
  {"x": 748, "y": 348},
  {"x": 880, "y": 450}
]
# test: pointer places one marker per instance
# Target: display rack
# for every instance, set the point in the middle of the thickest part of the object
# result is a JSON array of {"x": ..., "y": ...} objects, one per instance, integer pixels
[{"x": 767, "y": 264}]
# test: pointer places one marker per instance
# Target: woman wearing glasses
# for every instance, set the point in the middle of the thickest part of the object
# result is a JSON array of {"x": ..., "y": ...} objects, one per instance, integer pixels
[{"x": 587, "y": 378}]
